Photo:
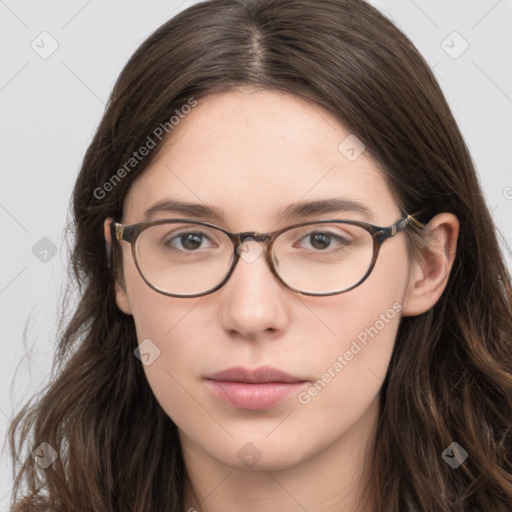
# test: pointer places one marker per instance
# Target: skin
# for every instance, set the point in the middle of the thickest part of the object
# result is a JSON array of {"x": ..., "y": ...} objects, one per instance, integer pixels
[{"x": 252, "y": 153}]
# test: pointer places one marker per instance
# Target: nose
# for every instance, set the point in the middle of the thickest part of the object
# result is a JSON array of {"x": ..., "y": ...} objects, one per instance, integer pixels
[{"x": 254, "y": 301}]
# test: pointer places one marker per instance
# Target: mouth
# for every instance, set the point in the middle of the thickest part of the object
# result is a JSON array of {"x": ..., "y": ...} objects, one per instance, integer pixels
[{"x": 258, "y": 389}]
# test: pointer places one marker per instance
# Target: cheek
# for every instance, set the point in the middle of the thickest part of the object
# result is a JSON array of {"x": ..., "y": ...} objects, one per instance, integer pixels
[
  {"x": 169, "y": 331},
  {"x": 351, "y": 366},
  {"x": 154, "y": 314},
  {"x": 359, "y": 332}
]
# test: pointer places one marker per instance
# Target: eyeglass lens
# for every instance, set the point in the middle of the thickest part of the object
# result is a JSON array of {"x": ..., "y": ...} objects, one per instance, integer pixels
[{"x": 187, "y": 259}]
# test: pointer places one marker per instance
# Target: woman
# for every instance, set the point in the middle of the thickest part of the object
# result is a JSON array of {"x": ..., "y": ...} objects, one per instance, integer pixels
[{"x": 292, "y": 295}]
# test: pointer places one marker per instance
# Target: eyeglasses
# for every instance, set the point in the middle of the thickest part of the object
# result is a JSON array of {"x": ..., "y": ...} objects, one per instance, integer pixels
[{"x": 190, "y": 258}]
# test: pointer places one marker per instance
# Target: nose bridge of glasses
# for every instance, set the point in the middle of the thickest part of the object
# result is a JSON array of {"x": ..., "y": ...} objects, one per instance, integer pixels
[
  {"x": 240, "y": 238},
  {"x": 250, "y": 255}
]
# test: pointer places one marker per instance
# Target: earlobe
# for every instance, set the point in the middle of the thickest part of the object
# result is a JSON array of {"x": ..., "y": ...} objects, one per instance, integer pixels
[
  {"x": 122, "y": 300},
  {"x": 106, "y": 230},
  {"x": 428, "y": 278},
  {"x": 108, "y": 241},
  {"x": 121, "y": 296}
]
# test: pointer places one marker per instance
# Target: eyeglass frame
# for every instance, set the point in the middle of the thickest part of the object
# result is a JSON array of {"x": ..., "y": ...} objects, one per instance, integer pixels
[{"x": 130, "y": 233}]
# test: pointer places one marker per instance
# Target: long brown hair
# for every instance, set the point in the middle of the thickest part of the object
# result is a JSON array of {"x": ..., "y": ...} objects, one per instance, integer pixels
[{"x": 450, "y": 376}]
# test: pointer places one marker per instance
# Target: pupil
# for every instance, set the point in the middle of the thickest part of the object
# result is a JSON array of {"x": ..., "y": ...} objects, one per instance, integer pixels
[
  {"x": 320, "y": 241},
  {"x": 191, "y": 241}
]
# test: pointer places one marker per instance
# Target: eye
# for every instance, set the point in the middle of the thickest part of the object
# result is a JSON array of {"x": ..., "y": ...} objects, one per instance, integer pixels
[
  {"x": 321, "y": 240},
  {"x": 188, "y": 241}
]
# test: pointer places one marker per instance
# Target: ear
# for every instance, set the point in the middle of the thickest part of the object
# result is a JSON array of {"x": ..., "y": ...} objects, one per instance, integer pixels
[
  {"x": 121, "y": 295},
  {"x": 429, "y": 276}
]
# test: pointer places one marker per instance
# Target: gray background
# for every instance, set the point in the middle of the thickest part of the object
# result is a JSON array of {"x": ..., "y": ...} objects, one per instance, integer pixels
[{"x": 51, "y": 106}]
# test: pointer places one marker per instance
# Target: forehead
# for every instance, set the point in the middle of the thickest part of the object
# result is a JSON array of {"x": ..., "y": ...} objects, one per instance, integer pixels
[{"x": 252, "y": 153}]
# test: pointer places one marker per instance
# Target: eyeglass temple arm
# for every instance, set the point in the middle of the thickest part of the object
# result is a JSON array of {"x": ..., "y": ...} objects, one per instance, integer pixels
[
  {"x": 408, "y": 219},
  {"x": 413, "y": 218},
  {"x": 116, "y": 233},
  {"x": 391, "y": 231},
  {"x": 116, "y": 230}
]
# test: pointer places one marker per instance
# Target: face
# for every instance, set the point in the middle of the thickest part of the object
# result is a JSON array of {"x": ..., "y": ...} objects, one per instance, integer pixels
[{"x": 251, "y": 154}]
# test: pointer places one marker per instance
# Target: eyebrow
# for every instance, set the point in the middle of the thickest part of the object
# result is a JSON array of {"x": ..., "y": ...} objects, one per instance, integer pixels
[
  {"x": 323, "y": 206},
  {"x": 293, "y": 211}
]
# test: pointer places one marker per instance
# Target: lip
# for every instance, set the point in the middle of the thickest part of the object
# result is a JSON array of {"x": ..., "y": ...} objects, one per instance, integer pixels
[
  {"x": 258, "y": 389},
  {"x": 261, "y": 375}
]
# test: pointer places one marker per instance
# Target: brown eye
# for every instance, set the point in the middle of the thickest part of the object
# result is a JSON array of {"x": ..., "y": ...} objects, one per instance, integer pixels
[{"x": 188, "y": 241}]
